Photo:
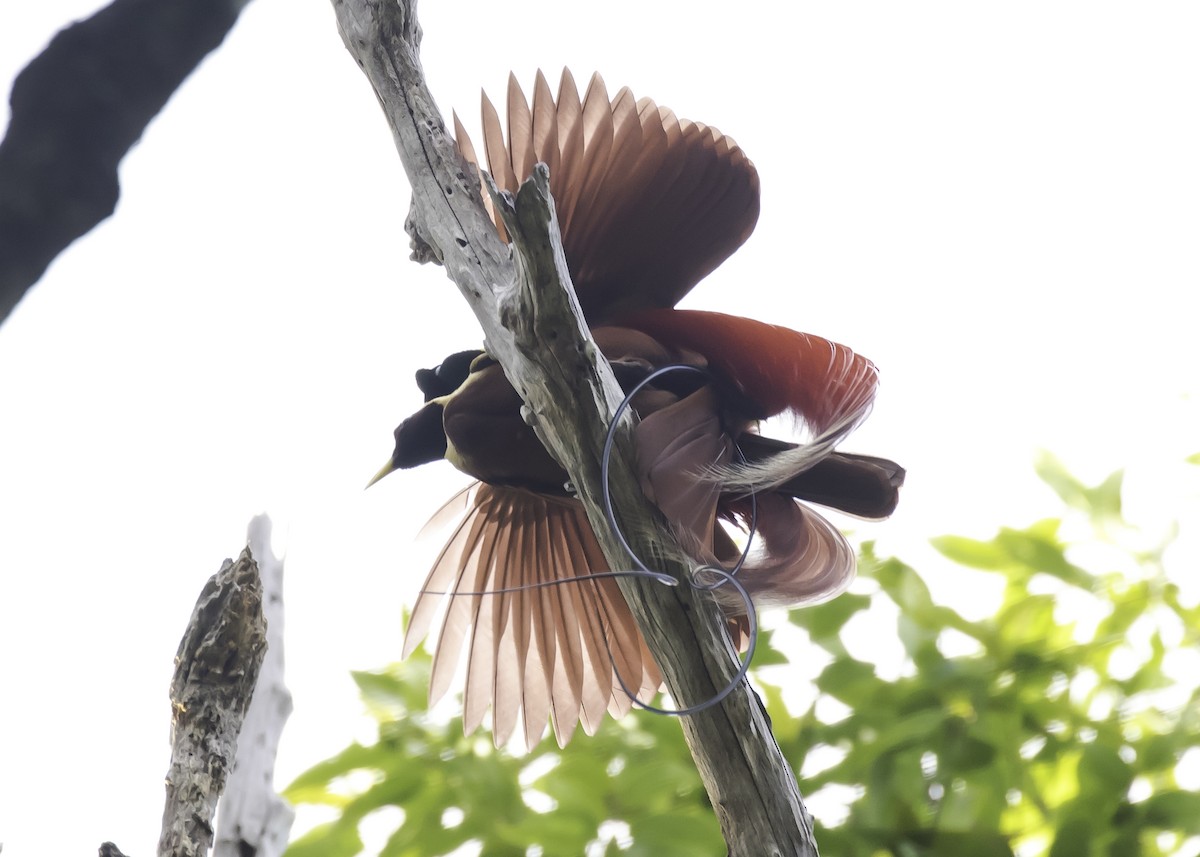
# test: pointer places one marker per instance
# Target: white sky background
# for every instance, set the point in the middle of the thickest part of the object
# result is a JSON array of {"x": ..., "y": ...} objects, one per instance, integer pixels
[{"x": 1000, "y": 205}]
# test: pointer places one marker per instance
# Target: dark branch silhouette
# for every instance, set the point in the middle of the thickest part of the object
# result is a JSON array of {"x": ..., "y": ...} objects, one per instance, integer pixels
[{"x": 77, "y": 108}]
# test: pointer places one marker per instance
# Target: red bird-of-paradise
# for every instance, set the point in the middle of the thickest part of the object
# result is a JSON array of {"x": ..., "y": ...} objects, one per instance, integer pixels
[{"x": 648, "y": 204}]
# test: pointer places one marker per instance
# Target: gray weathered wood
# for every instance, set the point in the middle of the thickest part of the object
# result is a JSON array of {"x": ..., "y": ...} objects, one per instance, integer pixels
[
  {"x": 216, "y": 668},
  {"x": 252, "y": 819},
  {"x": 533, "y": 327}
]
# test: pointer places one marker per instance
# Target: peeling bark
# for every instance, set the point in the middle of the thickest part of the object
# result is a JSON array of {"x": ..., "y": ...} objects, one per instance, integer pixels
[{"x": 216, "y": 669}]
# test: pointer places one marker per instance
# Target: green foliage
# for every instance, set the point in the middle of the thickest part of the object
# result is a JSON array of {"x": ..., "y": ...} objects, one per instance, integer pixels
[
  {"x": 437, "y": 777},
  {"x": 1049, "y": 727}
]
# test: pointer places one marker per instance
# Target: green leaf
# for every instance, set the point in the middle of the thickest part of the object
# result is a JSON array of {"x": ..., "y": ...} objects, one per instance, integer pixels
[
  {"x": 1027, "y": 621},
  {"x": 826, "y": 620},
  {"x": 915, "y": 729},
  {"x": 1173, "y": 810},
  {"x": 968, "y": 753},
  {"x": 1074, "y": 838},
  {"x": 1102, "y": 502},
  {"x": 312, "y": 786},
  {"x": 387, "y": 695},
  {"x": 1103, "y": 772},
  {"x": 334, "y": 839},
  {"x": 672, "y": 836},
  {"x": 1037, "y": 549},
  {"x": 974, "y": 843},
  {"x": 1159, "y": 752},
  {"x": 904, "y": 586},
  {"x": 767, "y": 655},
  {"x": 853, "y": 682},
  {"x": 972, "y": 553}
]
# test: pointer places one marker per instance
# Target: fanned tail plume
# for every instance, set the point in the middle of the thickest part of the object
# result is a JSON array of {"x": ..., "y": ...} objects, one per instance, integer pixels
[{"x": 542, "y": 640}]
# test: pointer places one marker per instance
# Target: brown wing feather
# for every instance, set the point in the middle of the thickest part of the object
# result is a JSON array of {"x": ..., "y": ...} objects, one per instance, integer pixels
[
  {"x": 545, "y": 124},
  {"x": 467, "y": 148},
  {"x": 499, "y": 164},
  {"x": 520, "y": 131},
  {"x": 566, "y": 185},
  {"x": 591, "y": 198},
  {"x": 647, "y": 204}
]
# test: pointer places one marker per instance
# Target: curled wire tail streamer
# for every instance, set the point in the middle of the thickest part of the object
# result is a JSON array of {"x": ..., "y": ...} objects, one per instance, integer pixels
[{"x": 721, "y": 576}]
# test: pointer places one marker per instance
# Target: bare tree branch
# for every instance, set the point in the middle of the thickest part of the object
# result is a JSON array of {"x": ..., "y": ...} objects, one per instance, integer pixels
[
  {"x": 215, "y": 672},
  {"x": 77, "y": 108},
  {"x": 534, "y": 329}
]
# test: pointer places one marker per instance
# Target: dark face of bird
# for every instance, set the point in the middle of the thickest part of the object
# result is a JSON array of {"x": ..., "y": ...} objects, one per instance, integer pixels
[{"x": 472, "y": 418}]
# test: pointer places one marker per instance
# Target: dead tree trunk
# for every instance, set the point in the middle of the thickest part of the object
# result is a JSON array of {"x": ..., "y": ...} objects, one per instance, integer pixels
[
  {"x": 216, "y": 669},
  {"x": 525, "y": 303},
  {"x": 251, "y": 818}
]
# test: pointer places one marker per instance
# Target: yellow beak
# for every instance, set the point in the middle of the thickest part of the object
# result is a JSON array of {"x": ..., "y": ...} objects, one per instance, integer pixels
[{"x": 383, "y": 471}]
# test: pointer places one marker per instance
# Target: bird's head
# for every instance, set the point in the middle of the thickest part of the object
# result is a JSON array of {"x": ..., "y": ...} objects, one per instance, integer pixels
[{"x": 421, "y": 438}]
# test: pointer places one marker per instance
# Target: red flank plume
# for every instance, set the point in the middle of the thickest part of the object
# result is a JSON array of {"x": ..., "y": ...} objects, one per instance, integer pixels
[{"x": 825, "y": 384}]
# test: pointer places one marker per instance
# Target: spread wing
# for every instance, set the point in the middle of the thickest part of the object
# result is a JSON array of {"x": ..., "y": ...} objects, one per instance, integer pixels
[{"x": 648, "y": 203}]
